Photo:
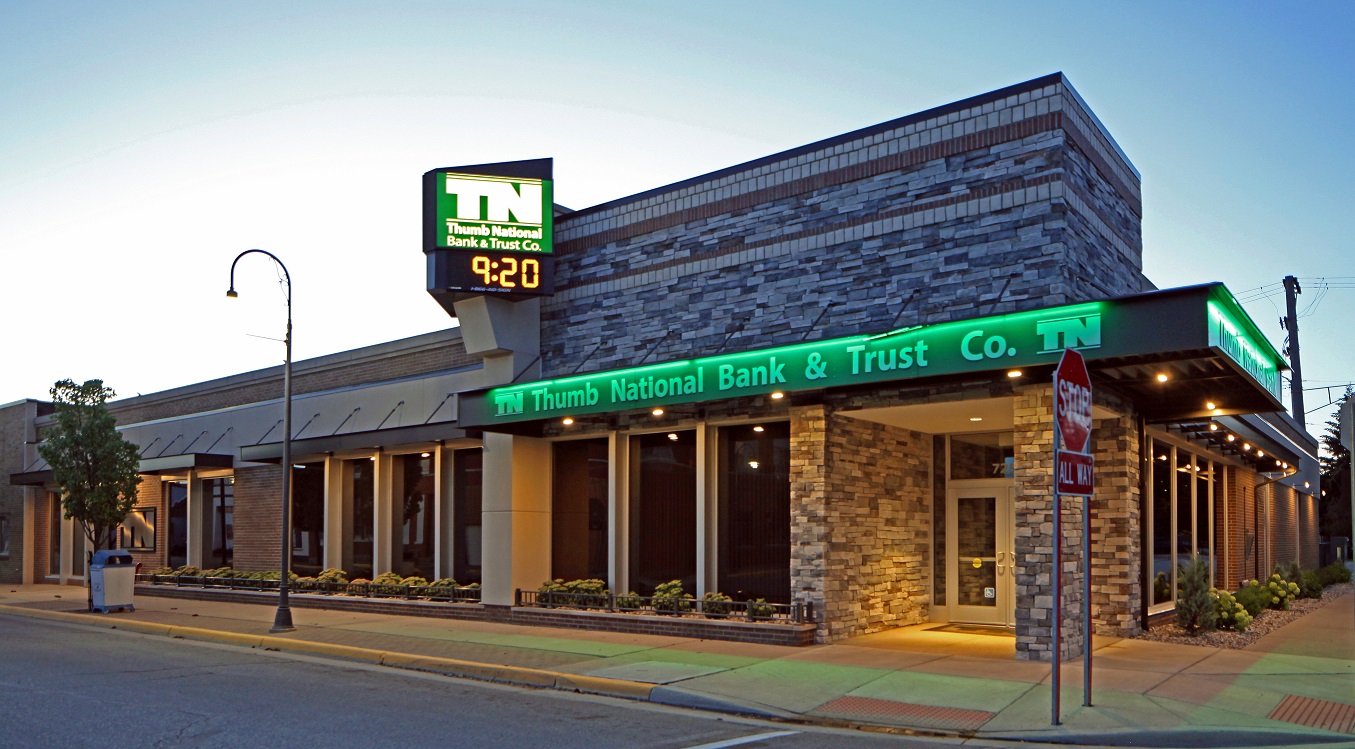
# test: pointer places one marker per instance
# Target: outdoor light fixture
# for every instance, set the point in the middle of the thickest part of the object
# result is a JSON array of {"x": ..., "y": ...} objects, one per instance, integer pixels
[
  {"x": 1307, "y": 485},
  {"x": 425, "y": 455},
  {"x": 1260, "y": 453},
  {"x": 1231, "y": 438},
  {"x": 778, "y": 395},
  {"x": 1014, "y": 373},
  {"x": 373, "y": 458},
  {"x": 282, "y": 621},
  {"x": 757, "y": 429},
  {"x": 1162, "y": 377},
  {"x": 753, "y": 464},
  {"x": 657, "y": 412},
  {"x": 1210, "y": 406},
  {"x": 673, "y": 436},
  {"x": 1213, "y": 427},
  {"x": 1245, "y": 447},
  {"x": 567, "y": 421}
]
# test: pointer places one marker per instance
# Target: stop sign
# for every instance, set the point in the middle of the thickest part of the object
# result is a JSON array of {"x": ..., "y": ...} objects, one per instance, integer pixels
[{"x": 1073, "y": 401}]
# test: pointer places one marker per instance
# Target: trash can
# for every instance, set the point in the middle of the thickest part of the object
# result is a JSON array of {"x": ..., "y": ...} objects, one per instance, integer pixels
[{"x": 112, "y": 575}]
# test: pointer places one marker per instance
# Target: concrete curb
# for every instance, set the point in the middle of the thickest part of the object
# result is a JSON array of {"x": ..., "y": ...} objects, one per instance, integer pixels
[{"x": 529, "y": 677}]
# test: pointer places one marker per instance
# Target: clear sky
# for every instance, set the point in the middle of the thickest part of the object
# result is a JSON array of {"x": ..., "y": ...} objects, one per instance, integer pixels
[{"x": 143, "y": 145}]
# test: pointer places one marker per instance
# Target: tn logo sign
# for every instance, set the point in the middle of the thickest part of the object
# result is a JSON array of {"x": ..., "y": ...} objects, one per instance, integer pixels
[
  {"x": 507, "y": 404},
  {"x": 496, "y": 201},
  {"x": 1081, "y": 332}
]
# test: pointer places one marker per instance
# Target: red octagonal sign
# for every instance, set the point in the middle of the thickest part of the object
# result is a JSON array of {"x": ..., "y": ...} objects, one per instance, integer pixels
[{"x": 1073, "y": 401}]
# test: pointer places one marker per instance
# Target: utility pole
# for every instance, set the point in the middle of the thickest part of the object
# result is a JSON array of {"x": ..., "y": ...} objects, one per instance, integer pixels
[{"x": 1291, "y": 324}]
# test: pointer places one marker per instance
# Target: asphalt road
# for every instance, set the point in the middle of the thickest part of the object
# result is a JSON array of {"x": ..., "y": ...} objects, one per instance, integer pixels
[{"x": 69, "y": 686}]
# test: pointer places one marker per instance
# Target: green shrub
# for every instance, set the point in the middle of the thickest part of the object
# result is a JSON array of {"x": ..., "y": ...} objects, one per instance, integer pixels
[
  {"x": 1281, "y": 592},
  {"x": 1254, "y": 597},
  {"x": 1310, "y": 585},
  {"x": 716, "y": 604},
  {"x": 758, "y": 608},
  {"x": 1195, "y": 608},
  {"x": 587, "y": 592},
  {"x": 188, "y": 570},
  {"x": 413, "y": 580},
  {"x": 1229, "y": 613},
  {"x": 219, "y": 572},
  {"x": 332, "y": 575},
  {"x": 162, "y": 571},
  {"x": 669, "y": 598},
  {"x": 629, "y": 601},
  {"x": 444, "y": 582},
  {"x": 1333, "y": 573}
]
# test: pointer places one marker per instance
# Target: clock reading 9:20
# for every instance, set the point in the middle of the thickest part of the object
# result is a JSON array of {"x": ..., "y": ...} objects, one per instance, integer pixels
[{"x": 507, "y": 272}]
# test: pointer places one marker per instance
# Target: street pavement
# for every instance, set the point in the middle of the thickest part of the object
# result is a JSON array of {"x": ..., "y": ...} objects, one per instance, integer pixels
[{"x": 1296, "y": 686}]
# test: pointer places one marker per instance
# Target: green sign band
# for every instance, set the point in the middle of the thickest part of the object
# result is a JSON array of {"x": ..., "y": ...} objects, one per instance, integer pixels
[{"x": 1131, "y": 327}]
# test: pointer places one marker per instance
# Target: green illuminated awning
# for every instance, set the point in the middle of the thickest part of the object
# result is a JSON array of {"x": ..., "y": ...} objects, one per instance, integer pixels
[{"x": 1199, "y": 323}]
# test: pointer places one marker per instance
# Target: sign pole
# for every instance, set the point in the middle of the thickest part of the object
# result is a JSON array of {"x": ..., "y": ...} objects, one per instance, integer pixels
[
  {"x": 1087, "y": 601},
  {"x": 1056, "y": 660}
]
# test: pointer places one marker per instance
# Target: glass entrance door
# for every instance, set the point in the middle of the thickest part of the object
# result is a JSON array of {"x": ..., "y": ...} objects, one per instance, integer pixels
[{"x": 981, "y": 554}]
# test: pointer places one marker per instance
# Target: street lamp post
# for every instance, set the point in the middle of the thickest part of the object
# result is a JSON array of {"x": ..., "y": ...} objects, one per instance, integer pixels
[{"x": 282, "y": 621}]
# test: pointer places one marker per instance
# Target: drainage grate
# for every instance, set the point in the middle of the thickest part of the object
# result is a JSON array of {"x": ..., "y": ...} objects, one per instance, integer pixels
[
  {"x": 906, "y": 712},
  {"x": 1324, "y": 714}
]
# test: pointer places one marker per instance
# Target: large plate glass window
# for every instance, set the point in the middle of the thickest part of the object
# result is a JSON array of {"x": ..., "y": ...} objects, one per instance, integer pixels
[
  {"x": 579, "y": 510},
  {"x": 1181, "y": 521},
  {"x": 663, "y": 510},
  {"x": 754, "y": 535}
]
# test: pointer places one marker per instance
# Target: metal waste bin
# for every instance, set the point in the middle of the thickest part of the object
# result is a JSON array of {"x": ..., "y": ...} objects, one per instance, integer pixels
[{"x": 112, "y": 575}]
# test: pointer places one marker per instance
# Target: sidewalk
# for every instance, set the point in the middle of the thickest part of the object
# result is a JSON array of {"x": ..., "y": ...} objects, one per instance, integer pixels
[{"x": 1295, "y": 686}]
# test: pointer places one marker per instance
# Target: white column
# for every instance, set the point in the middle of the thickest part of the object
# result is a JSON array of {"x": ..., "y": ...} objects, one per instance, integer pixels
[
  {"x": 199, "y": 528},
  {"x": 618, "y": 512},
  {"x": 383, "y": 507},
  {"x": 338, "y": 518},
  {"x": 442, "y": 512},
  {"x": 706, "y": 532},
  {"x": 516, "y": 529}
]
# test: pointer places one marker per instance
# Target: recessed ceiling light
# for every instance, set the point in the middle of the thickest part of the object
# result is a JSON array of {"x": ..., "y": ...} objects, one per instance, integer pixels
[
  {"x": 673, "y": 436},
  {"x": 1213, "y": 427},
  {"x": 1307, "y": 485},
  {"x": 657, "y": 412},
  {"x": 1162, "y": 377},
  {"x": 1210, "y": 406},
  {"x": 1260, "y": 453},
  {"x": 1014, "y": 373},
  {"x": 757, "y": 429},
  {"x": 753, "y": 464},
  {"x": 1245, "y": 447},
  {"x": 1231, "y": 438},
  {"x": 567, "y": 421},
  {"x": 976, "y": 418},
  {"x": 778, "y": 396},
  {"x": 425, "y": 455}
]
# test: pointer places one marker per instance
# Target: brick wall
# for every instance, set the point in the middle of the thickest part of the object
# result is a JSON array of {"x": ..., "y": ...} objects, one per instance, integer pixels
[
  {"x": 150, "y": 493},
  {"x": 1308, "y": 532},
  {"x": 258, "y": 518},
  {"x": 1284, "y": 526},
  {"x": 310, "y": 376}
]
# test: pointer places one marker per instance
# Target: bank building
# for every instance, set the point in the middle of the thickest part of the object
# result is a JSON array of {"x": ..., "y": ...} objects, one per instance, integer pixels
[{"x": 820, "y": 380}]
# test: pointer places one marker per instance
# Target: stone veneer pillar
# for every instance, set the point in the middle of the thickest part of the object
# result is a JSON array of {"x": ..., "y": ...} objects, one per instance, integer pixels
[
  {"x": 1034, "y": 465},
  {"x": 1117, "y": 556},
  {"x": 809, "y": 508}
]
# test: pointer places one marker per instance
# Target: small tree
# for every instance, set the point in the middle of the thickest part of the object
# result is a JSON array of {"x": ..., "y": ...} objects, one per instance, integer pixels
[
  {"x": 94, "y": 467},
  {"x": 1196, "y": 610}
]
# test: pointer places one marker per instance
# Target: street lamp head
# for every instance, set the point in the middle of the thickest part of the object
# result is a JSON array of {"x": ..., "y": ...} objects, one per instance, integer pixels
[{"x": 230, "y": 293}]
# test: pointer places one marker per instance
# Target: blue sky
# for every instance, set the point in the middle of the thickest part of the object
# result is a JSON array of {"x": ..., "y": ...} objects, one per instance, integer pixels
[{"x": 144, "y": 145}]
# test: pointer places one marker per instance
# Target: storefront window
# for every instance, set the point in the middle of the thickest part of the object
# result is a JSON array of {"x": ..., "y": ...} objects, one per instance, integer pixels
[
  {"x": 362, "y": 514},
  {"x": 579, "y": 510},
  {"x": 663, "y": 510},
  {"x": 220, "y": 492},
  {"x": 754, "y": 514},
  {"x": 308, "y": 519},
  {"x": 467, "y": 487},
  {"x": 1181, "y": 519},
  {"x": 412, "y": 550},
  {"x": 176, "y": 498}
]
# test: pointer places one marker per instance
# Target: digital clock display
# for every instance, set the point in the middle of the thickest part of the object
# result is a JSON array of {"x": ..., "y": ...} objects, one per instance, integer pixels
[{"x": 525, "y": 274}]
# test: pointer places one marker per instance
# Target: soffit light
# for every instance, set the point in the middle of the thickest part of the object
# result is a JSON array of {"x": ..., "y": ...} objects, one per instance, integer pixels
[
  {"x": 673, "y": 436},
  {"x": 1260, "y": 453},
  {"x": 1213, "y": 427},
  {"x": 425, "y": 455},
  {"x": 657, "y": 412},
  {"x": 753, "y": 464},
  {"x": 757, "y": 429},
  {"x": 1162, "y": 377},
  {"x": 1231, "y": 438},
  {"x": 778, "y": 396},
  {"x": 1014, "y": 373},
  {"x": 567, "y": 421},
  {"x": 1210, "y": 406},
  {"x": 976, "y": 418}
]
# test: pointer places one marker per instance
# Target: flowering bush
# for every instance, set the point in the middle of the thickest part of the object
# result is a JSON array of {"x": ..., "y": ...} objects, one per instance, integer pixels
[{"x": 1230, "y": 614}]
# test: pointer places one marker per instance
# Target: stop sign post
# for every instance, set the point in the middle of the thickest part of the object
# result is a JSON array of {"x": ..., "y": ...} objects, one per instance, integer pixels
[{"x": 1073, "y": 472}]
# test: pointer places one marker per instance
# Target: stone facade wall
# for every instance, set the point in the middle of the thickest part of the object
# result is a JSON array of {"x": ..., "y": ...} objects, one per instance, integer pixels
[
  {"x": 1034, "y": 534},
  {"x": 878, "y": 520},
  {"x": 809, "y": 530},
  {"x": 13, "y": 433},
  {"x": 976, "y": 208},
  {"x": 1117, "y": 523}
]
